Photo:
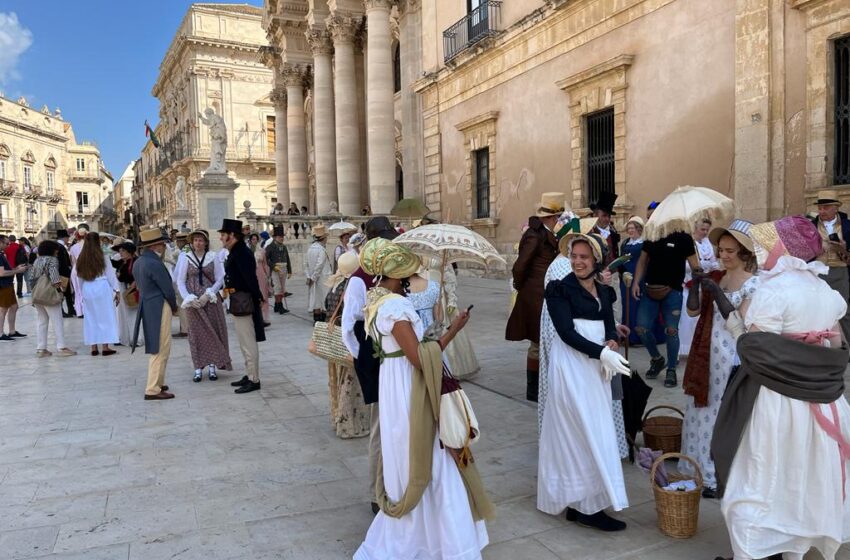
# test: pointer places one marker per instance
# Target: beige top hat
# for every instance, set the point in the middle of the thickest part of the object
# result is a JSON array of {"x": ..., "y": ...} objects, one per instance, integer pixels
[
  {"x": 320, "y": 231},
  {"x": 827, "y": 197},
  {"x": 551, "y": 204}
]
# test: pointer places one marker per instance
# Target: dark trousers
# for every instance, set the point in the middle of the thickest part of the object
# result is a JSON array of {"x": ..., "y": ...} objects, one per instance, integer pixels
[{"x": 20, "y": 280}]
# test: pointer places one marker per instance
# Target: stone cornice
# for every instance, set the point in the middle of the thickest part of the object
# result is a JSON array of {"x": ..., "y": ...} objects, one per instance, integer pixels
[
  {"x": 601, "y": 70},
  {"x": 33, "y": 129},
  {"x": 477, "y": 120},
  {"x": 805, "y": 5}
]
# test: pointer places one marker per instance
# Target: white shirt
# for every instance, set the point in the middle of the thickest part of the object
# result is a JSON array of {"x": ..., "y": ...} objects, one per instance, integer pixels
[
  {"x": 353, "y": 303},
  {"x": 181, "y": 270},
  {"x": 604, "y": 232},
  {"x": 830, "y": 226}
]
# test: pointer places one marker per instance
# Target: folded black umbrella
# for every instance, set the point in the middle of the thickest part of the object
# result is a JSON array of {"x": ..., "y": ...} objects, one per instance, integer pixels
[{"x": 635, "y": 396}]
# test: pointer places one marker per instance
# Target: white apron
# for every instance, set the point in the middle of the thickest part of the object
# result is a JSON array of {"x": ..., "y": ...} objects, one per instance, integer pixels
[{"x": 579, "y": 465}]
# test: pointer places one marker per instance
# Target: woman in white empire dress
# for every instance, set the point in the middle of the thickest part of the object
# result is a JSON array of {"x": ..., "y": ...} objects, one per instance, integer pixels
[
  {"x": 441, "y": 525},
  {"x": 579, "y": 465},
  {"x": 708, "y": 261},
  {"x": 100, "y": 291}
]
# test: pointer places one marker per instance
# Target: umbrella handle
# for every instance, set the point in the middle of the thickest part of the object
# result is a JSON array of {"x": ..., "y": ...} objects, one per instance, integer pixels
[{"x": 443, "y": 282}]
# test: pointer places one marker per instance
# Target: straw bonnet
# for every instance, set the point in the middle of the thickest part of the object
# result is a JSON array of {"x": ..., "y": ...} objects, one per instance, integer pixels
[
  {"x": 739, "y": 229},
  {"x": 396, "y": 261},
  {"x": 345, "y": 267},
  {"x": 319, "y": 231},
  {"x": 202, "y": 232},
  {"x": 828, "y": 198},
  {"x": 357, "y": 240},
  {"x": 637, "y": 220},
  {"x": 581, "y": 230},
  {"x": 792, "y": 235},
  {"x": 551, "y": 204},
  {"x": 148, "y": 237},
  {"x": 369, "y": 252}
]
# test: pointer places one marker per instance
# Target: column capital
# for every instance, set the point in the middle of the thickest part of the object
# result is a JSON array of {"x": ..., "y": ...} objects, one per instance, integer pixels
[
  {"x": 319, "y": 41},
  {"x": 405, "y": 6},
  {"x": 278, "y": 97},
  {"x": 293, "y": 74},
  {"x": 378, "y": 4},
  {"x": 343, "y": 28}
]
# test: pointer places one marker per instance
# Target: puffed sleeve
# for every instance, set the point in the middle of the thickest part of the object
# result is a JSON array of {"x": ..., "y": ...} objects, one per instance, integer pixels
[
  {"x": 180, "y": 270},
  {"x": 392, "y": 311},
  {"x": 219, "y": 275},
  {"x": 767, "y": 307},
  {"x": 110, "y": 275},
  {"x": 560, "y": 310}
]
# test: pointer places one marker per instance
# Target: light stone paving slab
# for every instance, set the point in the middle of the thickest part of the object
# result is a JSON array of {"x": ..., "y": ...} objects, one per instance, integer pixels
[{"x": 90, "y": 471}]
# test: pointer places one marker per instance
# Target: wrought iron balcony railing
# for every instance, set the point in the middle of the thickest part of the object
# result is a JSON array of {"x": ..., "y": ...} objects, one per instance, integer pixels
[
  {"x": 480, "y": 23},
  {"x": 7, "y": 223}
]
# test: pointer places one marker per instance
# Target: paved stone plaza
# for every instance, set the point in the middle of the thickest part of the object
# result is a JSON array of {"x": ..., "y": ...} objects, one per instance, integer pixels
[{"x": 91, "y": 471}]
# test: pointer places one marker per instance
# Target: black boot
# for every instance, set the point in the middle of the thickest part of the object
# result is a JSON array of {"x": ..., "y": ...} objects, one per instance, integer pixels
[
  {"x": 655, "y": 367},
  {"x": 531, "y": 385},
  {"x": 278, "y": 307},
  {"x": 599, "y": 520}
]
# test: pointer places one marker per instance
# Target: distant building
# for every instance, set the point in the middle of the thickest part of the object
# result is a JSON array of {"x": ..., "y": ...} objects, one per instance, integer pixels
[
  {"x": 47, "y": 179},
  {"x": 213, "y": 62}
]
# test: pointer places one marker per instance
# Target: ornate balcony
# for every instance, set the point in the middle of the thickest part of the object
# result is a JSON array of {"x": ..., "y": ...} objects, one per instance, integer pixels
[
  {"x": 31, "y": 227},
  {"x": 32, "y": 191},
  {"x": 480, "y": 23},
  {"x": 6, "y": 224},
  {"x": 7, "y": 188}
]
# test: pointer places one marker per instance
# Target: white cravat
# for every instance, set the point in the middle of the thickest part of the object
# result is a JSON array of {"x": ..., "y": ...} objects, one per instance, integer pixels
[
  {"x": 604, "y": 232},
  {"x": 830, "y": 226}
]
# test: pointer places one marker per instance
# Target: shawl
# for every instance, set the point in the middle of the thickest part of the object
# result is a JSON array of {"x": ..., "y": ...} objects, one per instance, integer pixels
[
  {"x": 424, "y": 416},
  {"x": 696, "y": 380},
  {"x": 794, "y": 369}
]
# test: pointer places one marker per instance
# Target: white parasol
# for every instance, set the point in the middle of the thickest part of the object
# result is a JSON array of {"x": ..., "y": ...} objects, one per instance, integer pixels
[
  {"x": 684, "y": 207},
  {"x": 341, "y": 227},
  {"x": 450, "y": 243}
]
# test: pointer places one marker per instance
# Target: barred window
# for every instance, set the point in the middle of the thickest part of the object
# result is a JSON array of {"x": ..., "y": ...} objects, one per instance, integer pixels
[
  {"x": 841, "y": 164},
  {"x": 600, "y": 153},
  {"x": 482, "y": 182}
]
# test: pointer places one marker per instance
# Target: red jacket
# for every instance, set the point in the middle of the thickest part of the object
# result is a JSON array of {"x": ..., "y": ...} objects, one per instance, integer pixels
[{"x": 11, "y": 252}]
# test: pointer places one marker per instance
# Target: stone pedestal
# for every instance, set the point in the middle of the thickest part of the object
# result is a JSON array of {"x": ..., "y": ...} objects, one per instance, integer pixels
[
  {"x": 216, "y": 192},
  {"x": 180, "y": 217}
]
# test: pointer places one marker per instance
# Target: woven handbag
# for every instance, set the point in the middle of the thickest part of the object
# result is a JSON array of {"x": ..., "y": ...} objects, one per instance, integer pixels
[{"x": 326, "y": 342}]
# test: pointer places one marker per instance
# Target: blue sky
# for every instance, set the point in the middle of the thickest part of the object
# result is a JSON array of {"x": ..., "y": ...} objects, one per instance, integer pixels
[{"x": 95, "y": 59}]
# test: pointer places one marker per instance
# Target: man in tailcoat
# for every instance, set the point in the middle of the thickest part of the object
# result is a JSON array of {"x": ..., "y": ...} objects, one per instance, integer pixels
[
  {"x": 240, "y": 275},
  {"x": 157, "y": 305},
  {"x": 65, "y": 271},
  {"x": 537, "y": 249}
]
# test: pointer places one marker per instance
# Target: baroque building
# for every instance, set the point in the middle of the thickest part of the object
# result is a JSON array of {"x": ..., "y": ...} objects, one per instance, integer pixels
[
  {"x": 48, "y": 180},
  {"x": 479, "y": 106},
  {"x": 212, "y": 63}
]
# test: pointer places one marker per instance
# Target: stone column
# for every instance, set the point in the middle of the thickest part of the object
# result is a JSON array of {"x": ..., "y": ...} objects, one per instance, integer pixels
[
  {"x": 410, "y": 42},
  {"x": 323, "y": 120},
  {"x": 281, "y": 161},
  {"x": 379, "y": 107},
  {"x": 296, "y": 135},
  {"x": 343, "y": 30}
]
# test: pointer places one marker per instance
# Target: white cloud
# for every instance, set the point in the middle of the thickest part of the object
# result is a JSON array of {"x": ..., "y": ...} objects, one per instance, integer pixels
[{"x": 15, "y": 39}]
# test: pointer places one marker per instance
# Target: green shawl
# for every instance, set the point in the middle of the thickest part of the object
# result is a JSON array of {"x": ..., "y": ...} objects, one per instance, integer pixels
[{"x": 424, "y": 416}]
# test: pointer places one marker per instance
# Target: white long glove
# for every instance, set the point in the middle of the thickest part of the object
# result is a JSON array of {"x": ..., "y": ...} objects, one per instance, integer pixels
[
  {"x": 189, "y": 301},
  {"x": 735, "y": 325},
  {"x": 613, "y": 363},
  {"x": 203, "y": 300}
]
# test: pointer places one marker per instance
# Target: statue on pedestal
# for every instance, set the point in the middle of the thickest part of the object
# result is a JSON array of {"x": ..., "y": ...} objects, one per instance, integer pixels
[
  {"x": 218, "y": 141},
  {"x": 180, "y": 193}
]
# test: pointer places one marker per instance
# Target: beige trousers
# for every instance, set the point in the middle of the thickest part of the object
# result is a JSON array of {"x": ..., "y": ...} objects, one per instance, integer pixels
[
  {"x": 157, "y": 363},
  {"x": 374, "y": 450},
  {"x": 248, "y": 344}
]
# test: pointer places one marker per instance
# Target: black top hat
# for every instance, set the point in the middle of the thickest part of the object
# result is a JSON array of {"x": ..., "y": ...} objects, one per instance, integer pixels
[
  {"x": 278, "y": 231},
  {"x": 128, "y": 246},
  {"x": 61, "y": 234},
  {"x": 605, "y": 203},
  {"x": 380, "y": 226},
  {"x": 231, "y": 226}
]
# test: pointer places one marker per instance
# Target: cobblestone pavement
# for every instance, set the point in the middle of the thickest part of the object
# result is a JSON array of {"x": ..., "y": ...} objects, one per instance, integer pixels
[{"x": 91, "y": 471}]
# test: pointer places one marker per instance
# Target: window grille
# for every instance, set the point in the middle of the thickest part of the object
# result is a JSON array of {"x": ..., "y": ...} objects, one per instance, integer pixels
[
  {"x": 600, "y": 153},
  {"x": 482, "y": 182},
  {"x": 841, "y": 164}
]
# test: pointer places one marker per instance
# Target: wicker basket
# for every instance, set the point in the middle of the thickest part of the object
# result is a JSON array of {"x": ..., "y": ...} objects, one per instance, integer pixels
[
  {"x": 663, "y": 433},
  {"x": 678, "y": 511}
]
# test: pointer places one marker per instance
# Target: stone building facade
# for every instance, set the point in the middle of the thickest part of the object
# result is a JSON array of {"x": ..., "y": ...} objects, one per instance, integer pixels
[
  {"x": 485, "y": 104},
  {"x": 48, "y": 180},
  {"x": 212, "y": 62}
]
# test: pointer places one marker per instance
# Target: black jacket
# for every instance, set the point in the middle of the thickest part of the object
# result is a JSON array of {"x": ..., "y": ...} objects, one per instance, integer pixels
[
  {"x": 240, "y": 274},
  {"x": 567, "y": 300},
  {"x": 64, "y": 261}
]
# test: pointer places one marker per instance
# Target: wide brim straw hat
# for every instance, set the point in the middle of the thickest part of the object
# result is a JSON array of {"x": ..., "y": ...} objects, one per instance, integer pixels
[
  {"x": 551, "y": 204},
  {"x": 148, "y": 237},
  {"x": 345, "y": 267},
  {"x": 792, "y": 235},
  {"x": 319, "y": 231},
  {"x": 738, "y": 229},
  {"x": 828, "y": 198}
]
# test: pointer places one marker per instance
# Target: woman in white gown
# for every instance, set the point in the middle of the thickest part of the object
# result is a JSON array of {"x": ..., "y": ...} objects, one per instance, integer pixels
[
  {"x": 100, "y": 292},
  {"x": 785, "y": 482},
  {"x": 441, "y": 526},
  {"x": 709, "y": 263},
  {"x": 579, "y": 467}
]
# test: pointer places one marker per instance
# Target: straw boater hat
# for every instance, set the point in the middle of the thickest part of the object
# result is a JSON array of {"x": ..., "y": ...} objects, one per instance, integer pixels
[
  {"x": 319, "y": 231},
  {"x": 827, "y": 198},
  {"x": 182, "y": 235},
  {"x": 148, "y": 237},
  {"x": 739, "y": 229},
  {"x": 117, "y": 242},
  {"x": 551, "y": 204}
]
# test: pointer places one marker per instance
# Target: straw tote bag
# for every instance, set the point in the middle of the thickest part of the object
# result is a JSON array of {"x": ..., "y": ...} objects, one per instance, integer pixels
[{"x": 326, "y": 341}]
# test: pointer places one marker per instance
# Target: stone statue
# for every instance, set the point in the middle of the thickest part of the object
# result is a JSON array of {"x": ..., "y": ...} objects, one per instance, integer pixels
[
  {"x": 218, "y": 141},
  {"x": 180, "y": 193}
]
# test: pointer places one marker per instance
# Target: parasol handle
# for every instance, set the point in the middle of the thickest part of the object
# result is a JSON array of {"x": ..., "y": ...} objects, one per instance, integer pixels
[{"x": 443, "y": 283}]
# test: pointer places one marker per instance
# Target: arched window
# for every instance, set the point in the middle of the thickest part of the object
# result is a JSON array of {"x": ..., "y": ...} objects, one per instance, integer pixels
[{"x": 397, "y": 68}]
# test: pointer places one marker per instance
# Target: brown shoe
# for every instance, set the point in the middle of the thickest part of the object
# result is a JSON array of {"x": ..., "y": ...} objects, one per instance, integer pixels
[
  {"x": 65, "y": 352},
  {"x": 160, "y": 397},
  {"x": 109, "y": 352}
]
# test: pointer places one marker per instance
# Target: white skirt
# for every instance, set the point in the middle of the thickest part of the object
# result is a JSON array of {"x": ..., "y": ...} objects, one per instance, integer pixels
[
  {"x": 687, "y": 326},
  {"x": 440, "y": 527},
  {"x": 784, "y": 490},
  {"x": 579, "y": 465},
  {"x": 100, "y": 321}
]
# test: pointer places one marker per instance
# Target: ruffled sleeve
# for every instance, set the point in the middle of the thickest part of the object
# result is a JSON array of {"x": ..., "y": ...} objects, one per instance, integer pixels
[
  {"x": 749, "y": 287},
  {"x": 767, "y": 308},
  {"x": 392, "y": 311}
]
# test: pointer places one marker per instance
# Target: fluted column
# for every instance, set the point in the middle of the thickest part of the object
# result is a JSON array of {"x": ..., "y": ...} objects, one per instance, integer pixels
[
  {"x": 296, "y": 135},
  {"x": 379, "y": 107},
  {"x": 323, "y": 119},
  {"x": 343, "y": 31},
  {"x": 281, "y": 161}
]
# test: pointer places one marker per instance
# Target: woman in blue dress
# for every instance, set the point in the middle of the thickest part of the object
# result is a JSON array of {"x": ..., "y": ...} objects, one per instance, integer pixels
[{"x": 633, "y": 246}]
